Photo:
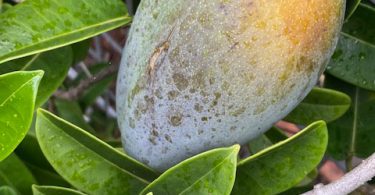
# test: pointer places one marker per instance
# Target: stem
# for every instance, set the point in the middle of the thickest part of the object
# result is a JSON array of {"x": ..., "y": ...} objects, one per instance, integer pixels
[
  {"x": 77, "y": 92},
  {"x": 350, "y": 182},
  {"x": 349, "y": 163},
  {"x": 349, "y": 160}
]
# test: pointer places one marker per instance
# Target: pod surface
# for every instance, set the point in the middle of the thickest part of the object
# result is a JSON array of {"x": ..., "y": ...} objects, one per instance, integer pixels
[{"x": 201, "y": 74}]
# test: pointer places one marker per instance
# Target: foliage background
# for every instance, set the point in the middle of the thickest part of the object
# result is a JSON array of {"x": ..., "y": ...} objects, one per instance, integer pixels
[{"x": 76, "y": 144}]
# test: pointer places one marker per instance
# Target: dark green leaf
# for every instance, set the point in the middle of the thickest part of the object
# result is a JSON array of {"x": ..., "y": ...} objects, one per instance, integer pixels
[
  {"x": 106, "y": 127},
  {"x": 352, "y": 135},
  {"x": 351, "y": 6},
  {"x": 86, "y": 162},
  {"x": 30, "y": 153},
  {"x": 132, "y": 4},
  {"x": 17, "y": 99},
  {"x": 354, "y": 62},
  {"x": 297, "y": 190},
  {"x": 16, "y": 175},
  {"x": 362, "y": 24},
  {"x": 7, "y": 190},
  {"x": 47, "y": 177},
  {"x": 54, "y": 190},
  {"x": 259, "y": 143},
  {"x": 283, "y": 165},
  {"x": 80, "y": 50},
  {"x": 320, "y": 104},
  {"x": 55, "y": 65},
  {"x": 71, "y": 111},
  {"x": 211, "y": 172},
  {"x": 275, "y": 135},
  {"x": 59, "y": 23},
  {"x": 98, "y": 88}
]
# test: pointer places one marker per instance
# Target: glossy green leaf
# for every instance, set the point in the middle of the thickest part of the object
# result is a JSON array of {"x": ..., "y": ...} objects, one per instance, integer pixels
[
  {"x": 55, "y": 65},
  {"x": 7, "y": 190},
  {"x": 320, "y": 104},
  {"x": 17, "y": 99},
  {"x": 351, "y": 6},
  {"x": 54, "y": 190},
  {"x": 86, "y": 162},
  {"x": 211, "y": 172},
  {"x": 15, "y": 174},
  {"x": 283, "y": 165},
  {"x": 71, "y": 111},
  {"x": 273, "y": 136},
  {"x": 59, "y": 23},
  {"x": 353, "y": 62},
  {"x": 362, "y": 24},
  {"x": 353, "y": 134},
  {"x": 30, "y": 153}
]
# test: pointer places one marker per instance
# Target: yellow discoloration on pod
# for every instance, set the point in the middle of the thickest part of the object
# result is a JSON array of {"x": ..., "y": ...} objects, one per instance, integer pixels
[{"x": 201, "y": 74}]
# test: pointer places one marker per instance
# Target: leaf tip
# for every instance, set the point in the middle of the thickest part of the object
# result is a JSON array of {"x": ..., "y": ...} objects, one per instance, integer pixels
[{"x": 236, "y": 148}]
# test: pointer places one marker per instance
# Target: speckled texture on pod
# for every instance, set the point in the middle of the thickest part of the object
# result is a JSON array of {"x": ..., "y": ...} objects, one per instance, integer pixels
[{"x": 201, "y": 74}]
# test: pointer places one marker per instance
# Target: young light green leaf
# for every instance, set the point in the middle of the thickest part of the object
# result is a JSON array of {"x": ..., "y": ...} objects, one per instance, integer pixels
[
  {"x": 283, "y": 165},
  {"x": 54, "y": 190},
  {"x": 60, "y": 23},
  {"x": 55, "y": 65},
  {"x": 362, "y": 24},
  {"x": 7, "y": 190},
  {"x": 86, "y": 162},
  {"x": 16, "y": 175},
  {"x": 352, "y": 135},
  {"x": 211, "y": 172},
  {"x": 17, "y": 99},
  {"x": 320, "y": 104}
]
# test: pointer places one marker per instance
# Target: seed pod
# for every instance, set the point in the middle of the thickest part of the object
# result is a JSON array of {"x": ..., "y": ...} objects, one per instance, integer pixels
[{"x": 196, "y": 75}]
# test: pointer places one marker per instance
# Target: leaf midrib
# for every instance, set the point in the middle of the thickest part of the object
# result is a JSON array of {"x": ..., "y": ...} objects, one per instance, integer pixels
[
  {"x": 203, "y": 176},
  {"x": 3, "y": 58},
  {"x": 325, "y": 105},
  {"x": 14, "y": 92},
  {"x": 358, "y": 39},
  {"x": 30, "y": 62}
]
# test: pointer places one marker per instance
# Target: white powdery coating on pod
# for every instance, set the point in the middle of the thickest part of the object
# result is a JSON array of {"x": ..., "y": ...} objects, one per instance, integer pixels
[{"x": 197, "y": 75}]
